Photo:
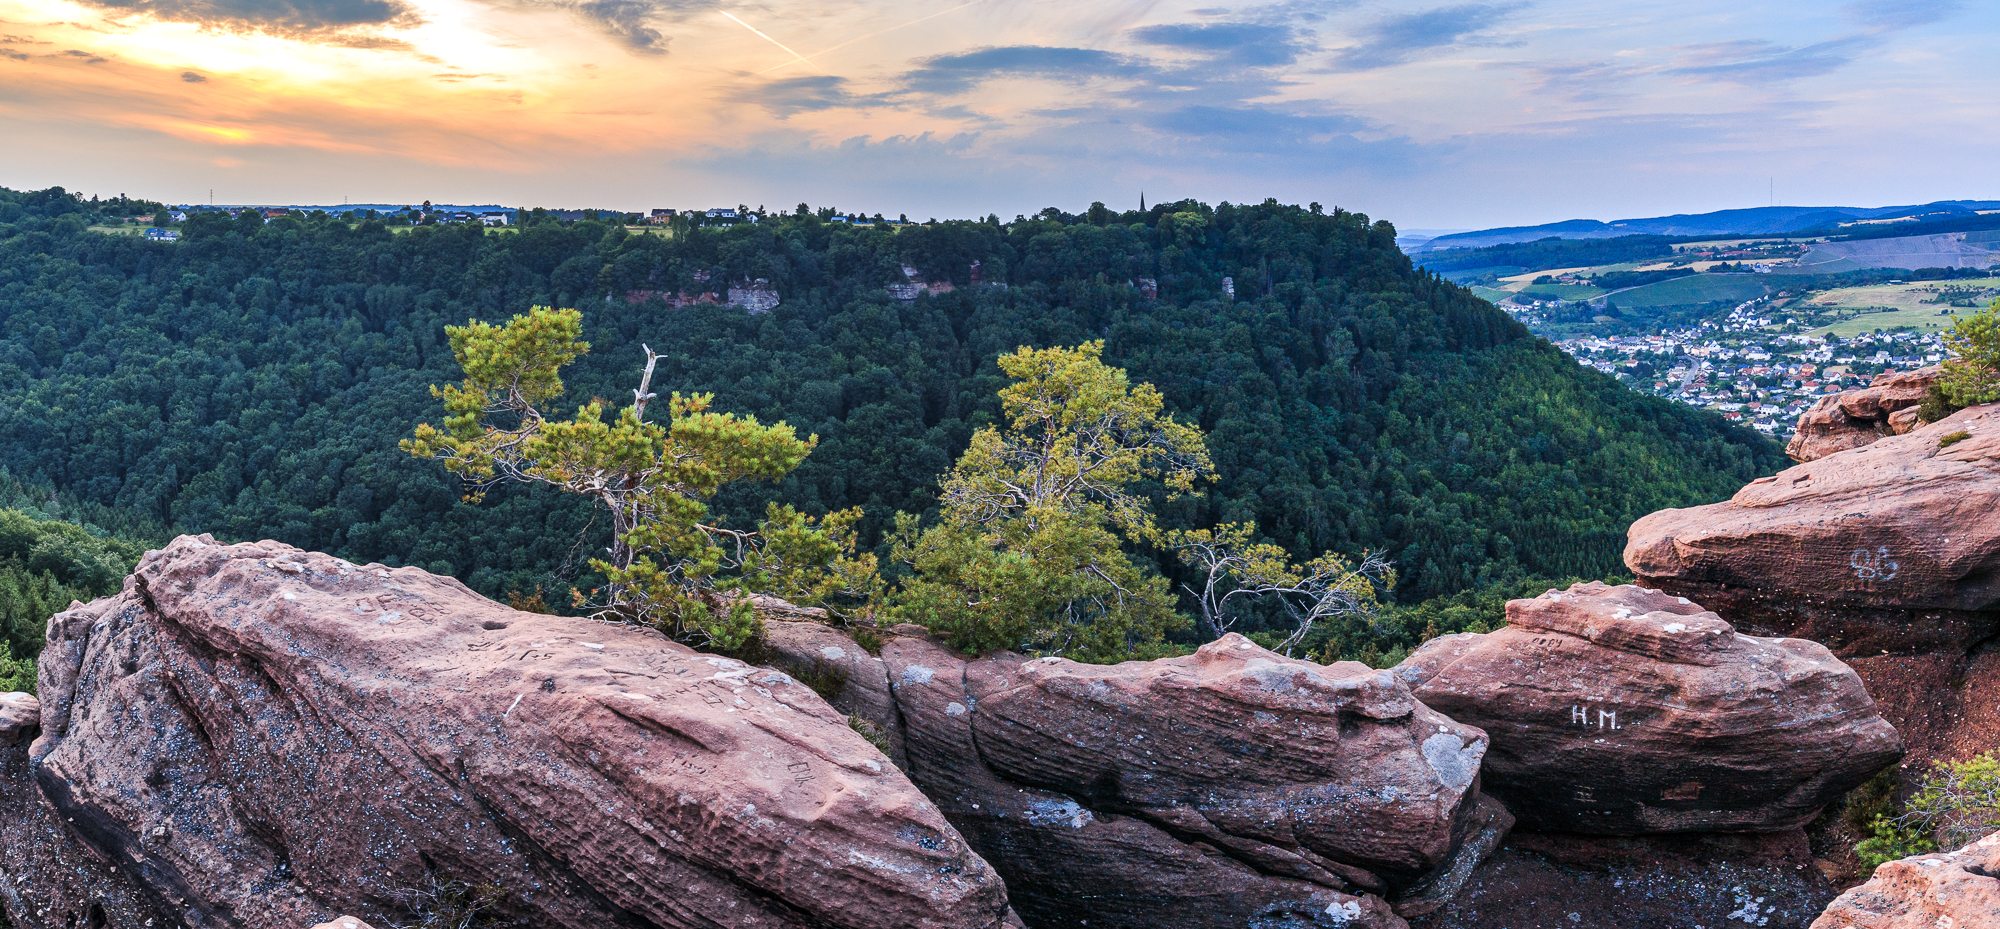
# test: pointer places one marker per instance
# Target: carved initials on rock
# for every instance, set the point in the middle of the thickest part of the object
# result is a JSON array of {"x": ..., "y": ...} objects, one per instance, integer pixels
[
  {"x": 801, "y": 772},
  {"x": 1606, "y": 719},
  {"x": 1872, "y": 567},
  {"x": 386, "y": 603}
]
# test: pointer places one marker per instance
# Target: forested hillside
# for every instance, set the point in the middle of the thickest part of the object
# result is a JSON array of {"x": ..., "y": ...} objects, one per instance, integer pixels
[
  {"x": 252, "y": 379},
  {"x": 45, "y": 564}
]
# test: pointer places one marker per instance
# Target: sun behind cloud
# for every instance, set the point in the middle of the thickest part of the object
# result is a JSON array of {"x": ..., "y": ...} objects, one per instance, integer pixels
[{"x": 936, "y": 107}]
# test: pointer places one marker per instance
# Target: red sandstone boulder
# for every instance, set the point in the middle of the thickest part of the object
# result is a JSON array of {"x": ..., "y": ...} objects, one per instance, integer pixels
[
  {"x": 48, "y": 878},
  {"x": 1627, "y": 711},
  {"x": 1230, "y": 787},
  {"x": 1893, "y": 546},
  {"x": 1889, "y": 554},
  {"x": 266, "y": 737},
  {"x": 1955, "y": 890},
  {"x": 20, "y": 718},
  {"x": 1853, "y": 418}
]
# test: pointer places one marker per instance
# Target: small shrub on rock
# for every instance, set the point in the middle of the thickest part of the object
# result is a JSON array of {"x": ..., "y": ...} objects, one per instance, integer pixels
[
  {"x": 1972, "y": 375},
  {"x": 1955, "y": 803}
]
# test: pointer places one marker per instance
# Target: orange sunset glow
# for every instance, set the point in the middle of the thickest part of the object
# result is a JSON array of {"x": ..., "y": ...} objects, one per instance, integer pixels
[{"x": 936, "y": 108}]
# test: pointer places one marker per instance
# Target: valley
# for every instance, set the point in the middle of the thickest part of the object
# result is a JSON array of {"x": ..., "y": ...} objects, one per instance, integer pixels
[{"x": 1753, "y": 327}]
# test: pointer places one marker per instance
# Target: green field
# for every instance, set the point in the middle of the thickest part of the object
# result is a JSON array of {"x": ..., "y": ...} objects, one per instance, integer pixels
[
  {"x": 1851, "y": 311},
  {"x": 1698, "y": 289}
]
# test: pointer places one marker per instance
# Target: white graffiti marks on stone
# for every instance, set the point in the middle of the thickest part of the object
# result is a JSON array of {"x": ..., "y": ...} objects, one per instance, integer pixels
[
  {"x": 1873, "y": 567},
  {"x": 1590, "y": 717}
]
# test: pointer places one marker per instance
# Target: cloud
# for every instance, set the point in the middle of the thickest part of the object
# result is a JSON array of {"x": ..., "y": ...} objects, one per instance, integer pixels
[
  {"x": 1581, "y": 81},
  {"x": 625, "y": 20},
  {"x": 293, "y": 17},
  {"x": 634, "y": 23},
  {"x": 1889, "y": 15},
  {"x": 89, "y": 58},
  {"x": 945, "y": 75},
  {"x": 1288, "y": 12},
  {"x": 1250, "y": 45},
  {"x": 1399, "y": 39},
  {"x": 1759, "y": 61},
  {"x": 17, "y": 56},
  {"x": 1754, "y": 61},
  {"x": 787, "y": 97},
  {"x": 1257, "y": 125},
  {"x": 194, "y": 78}
]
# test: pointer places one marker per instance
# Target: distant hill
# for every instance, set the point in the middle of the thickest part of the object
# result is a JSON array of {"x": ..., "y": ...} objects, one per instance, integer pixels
[
  {"x": 1763, "y": 220},
  {"x": 1978, "y": 249},
  {"x": 252, "y": 379}
]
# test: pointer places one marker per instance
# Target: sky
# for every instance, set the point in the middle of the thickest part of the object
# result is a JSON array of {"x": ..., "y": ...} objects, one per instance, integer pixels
[{"x": 1433, "y": 115}]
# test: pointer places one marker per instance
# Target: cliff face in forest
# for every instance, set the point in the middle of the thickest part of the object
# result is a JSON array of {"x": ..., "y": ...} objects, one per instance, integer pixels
[{"x": 252, "y": 379}]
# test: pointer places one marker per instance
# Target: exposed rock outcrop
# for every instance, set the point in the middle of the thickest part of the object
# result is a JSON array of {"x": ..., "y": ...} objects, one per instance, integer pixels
[
  {"x": 1853, "y": 418},
  {"x": 1627, "y": 711},
  {"x": 20, "y": 718},
  {"x": 1233, "y": 787},
  {"x": 265, "y": 737},
  {"x": 1951, "y": 890},
  {"x": 1889, "y": 554},
  {"x": 49, "y": 879},
  {"x": 1687, "y": 881}
]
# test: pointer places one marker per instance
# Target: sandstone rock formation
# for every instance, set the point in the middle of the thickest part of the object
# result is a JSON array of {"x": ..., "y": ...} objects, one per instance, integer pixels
[
  {"x": 1889, "y": 554},
  {"x": 20, "y": 718},
  {"x": 264, "y": 737},
  {"x": 48, "y": 878},
  {"x": 1233, "y": 787},
  {"x": 343, "y": 922},
  {"x": 1627, "y": 711},
  {"x": 1853, "y": 418},
  {"x": 1952, "y": 890}
]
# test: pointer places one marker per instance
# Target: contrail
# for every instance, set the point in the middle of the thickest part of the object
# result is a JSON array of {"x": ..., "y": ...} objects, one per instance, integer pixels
[
  {"x": 807, "y": 59},
  {"x": 762, "y": 35}
]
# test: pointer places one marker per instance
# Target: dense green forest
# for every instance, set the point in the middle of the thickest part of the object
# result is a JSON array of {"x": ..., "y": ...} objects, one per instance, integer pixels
[
  {"x": 45, "y": 564},
  {"x": 252, "y": 379}
]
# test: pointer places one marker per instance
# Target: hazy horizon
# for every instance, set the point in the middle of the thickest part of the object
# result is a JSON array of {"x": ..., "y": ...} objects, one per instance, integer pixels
[{"x": 1441, "y": 116}]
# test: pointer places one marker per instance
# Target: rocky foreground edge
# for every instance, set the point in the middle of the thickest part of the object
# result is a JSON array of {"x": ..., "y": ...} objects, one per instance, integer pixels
[
  {"x": 1947, "y": 890},
  {"x": 1230, "y": 787},
  {"x": 1889, "y": 554},
  {"x": 220, "y": 747},
  {"x": 256, "y": 736},
  {"x": 1621, "y": 710},
  {"x": 1853, "y": 418}
]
